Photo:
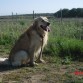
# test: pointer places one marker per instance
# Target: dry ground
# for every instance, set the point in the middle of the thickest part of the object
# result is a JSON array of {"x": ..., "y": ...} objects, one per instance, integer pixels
[{"x": 51, "y": 72}]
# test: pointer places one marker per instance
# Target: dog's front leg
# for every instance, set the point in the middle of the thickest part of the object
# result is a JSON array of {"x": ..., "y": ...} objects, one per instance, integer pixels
[
  {"x": 40, "y": 59},
  {"x": 32, "y": 56},
  {"x": 32, "y": 63}
]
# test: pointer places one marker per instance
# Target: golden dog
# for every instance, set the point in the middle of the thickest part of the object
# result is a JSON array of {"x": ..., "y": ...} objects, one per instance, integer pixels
[{"x": 30, "y": 44}]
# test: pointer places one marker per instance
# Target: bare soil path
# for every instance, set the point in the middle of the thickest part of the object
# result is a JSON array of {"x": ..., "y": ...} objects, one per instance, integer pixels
[{"x": 43, "y": 73}]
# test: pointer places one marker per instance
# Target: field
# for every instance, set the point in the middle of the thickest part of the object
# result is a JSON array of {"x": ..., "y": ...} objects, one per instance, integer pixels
[{"x": 63, "y": 53}]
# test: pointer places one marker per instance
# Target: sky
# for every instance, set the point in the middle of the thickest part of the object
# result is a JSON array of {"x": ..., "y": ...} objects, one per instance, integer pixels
[{"x": 39, "y": 6}]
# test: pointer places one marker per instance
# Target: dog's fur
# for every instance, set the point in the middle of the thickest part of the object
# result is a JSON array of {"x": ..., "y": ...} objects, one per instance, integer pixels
[{"x": 30, "y": 44}]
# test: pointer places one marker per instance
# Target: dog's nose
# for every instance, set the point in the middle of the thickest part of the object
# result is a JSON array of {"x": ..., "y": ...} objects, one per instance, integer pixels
[{"x": 48, "y": 23}]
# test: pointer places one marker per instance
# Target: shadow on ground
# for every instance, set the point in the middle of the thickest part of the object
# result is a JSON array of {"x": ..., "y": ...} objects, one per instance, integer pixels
[{"x": 7, "y": 68}]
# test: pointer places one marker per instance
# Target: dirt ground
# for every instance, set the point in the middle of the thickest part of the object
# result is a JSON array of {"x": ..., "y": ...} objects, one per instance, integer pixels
[{"x": 50, "y": 72}]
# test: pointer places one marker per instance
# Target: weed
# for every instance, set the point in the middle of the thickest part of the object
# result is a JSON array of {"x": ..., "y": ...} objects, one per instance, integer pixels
[
  {"x": 65, "y": 39},
  {"x": 68, "y": 49}
]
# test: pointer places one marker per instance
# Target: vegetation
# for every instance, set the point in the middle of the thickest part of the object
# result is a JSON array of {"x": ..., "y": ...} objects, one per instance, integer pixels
[
  {"x": 63, "y": 52},
  {"x": 75, "y": 12},
  {"x": 65, "y": 39}
]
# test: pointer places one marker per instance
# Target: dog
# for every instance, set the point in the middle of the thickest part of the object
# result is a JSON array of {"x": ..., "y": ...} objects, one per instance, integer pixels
[{"x": 28, "y": 48}]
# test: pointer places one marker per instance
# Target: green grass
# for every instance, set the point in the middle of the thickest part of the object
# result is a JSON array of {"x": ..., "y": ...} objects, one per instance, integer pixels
[
  {"x": 69, "y": 29},
  {"x": 64, "y": 45},
  {"x": 65, "y": 38}
]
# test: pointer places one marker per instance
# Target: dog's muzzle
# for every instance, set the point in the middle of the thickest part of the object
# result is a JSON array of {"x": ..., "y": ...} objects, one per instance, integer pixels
[{"x": 46, "y": 28}]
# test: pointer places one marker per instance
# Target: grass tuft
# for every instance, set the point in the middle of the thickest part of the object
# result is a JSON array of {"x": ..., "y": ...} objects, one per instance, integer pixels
[{"x": 65, "y": 48}]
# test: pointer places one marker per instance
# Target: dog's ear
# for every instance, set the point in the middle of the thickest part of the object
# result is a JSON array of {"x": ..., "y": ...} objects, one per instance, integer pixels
[{"x": 35, "y": 23}]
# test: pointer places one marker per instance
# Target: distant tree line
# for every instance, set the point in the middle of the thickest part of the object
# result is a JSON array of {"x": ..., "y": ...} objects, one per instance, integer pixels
[{"x": 75, "y": 12}]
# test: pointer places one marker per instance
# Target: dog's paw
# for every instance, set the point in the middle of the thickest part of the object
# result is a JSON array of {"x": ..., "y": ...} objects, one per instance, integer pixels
[
  {"x": 41, "y": 61},
  {"x": 33, "y": 64}
]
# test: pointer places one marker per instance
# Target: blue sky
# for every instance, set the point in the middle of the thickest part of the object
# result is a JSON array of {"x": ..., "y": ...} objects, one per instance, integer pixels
[{"x": 39, "y": 6}]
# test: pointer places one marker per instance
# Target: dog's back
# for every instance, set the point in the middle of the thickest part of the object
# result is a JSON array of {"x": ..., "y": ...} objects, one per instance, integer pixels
[{"x": 30, "y": 44}]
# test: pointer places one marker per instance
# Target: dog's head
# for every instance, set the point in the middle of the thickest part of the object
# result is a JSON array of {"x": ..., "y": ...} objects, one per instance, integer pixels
[{"x": 42, "y": 23}]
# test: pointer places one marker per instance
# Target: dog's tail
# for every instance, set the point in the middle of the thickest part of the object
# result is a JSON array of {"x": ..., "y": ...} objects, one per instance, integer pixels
[{"x": 4, "y": 62}]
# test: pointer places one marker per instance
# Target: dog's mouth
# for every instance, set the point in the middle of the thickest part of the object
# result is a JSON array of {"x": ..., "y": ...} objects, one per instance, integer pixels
[{"x": 46, "y": 28}]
